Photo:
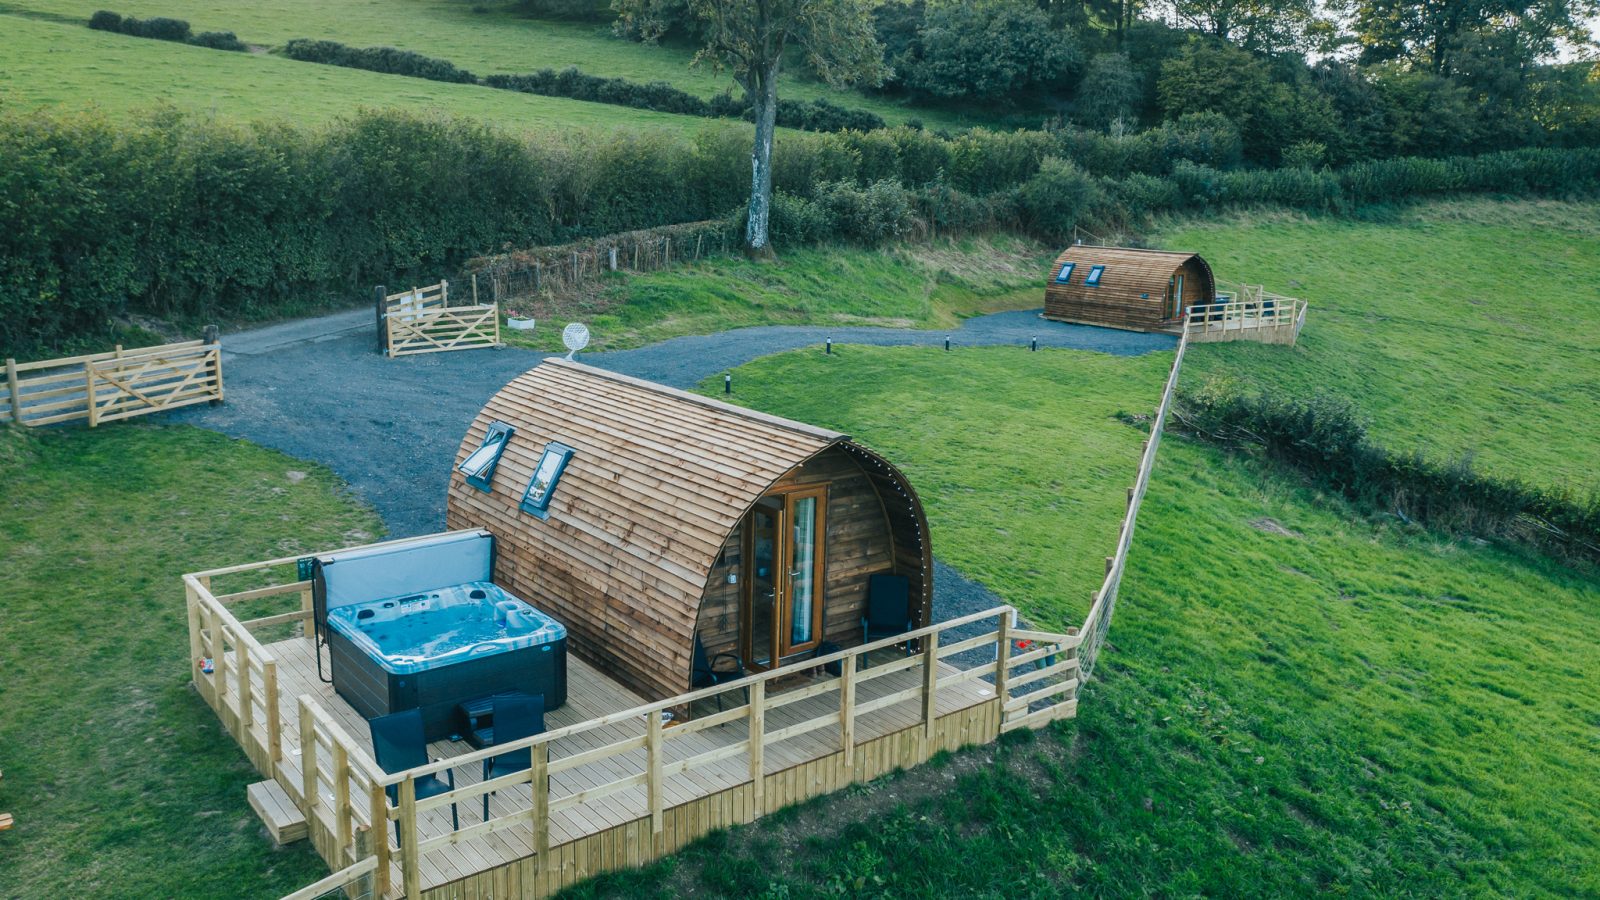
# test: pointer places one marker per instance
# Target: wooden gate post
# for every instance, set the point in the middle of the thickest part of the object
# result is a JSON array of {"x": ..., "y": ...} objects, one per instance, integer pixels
[
  {"x": 13, "y": 386},
  {"x": 613, "y": 259},
  {"x": 378, "y": 293},
  {"x": 213, "y": 337}
]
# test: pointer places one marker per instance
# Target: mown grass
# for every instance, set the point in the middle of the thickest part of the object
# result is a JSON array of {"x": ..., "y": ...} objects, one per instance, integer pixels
[
  {"x": 122, "y": 782},
  {"x": 490, "y": 42},
  {"x": 1463, "y": 329},
  {"x": 50, "y": 63},
  {"x": 1294, "y": 701},
  {"x": 910, "y": 286}
]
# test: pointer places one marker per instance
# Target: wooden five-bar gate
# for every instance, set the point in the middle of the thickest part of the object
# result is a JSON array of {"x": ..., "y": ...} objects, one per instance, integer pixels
[
  {"x": 421, "y": 320},
  {"x": 105, "y": 387}
]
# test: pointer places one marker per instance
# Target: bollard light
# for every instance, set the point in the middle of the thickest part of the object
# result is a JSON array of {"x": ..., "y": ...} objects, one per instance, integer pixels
[
  {"x": 1034, "y": 347},
  {"x": 830, "y": 346},
  {"x": 727, "y": 384}
]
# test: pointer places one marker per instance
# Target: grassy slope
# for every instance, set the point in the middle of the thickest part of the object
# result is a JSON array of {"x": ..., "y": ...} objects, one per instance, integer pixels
[
  {"x": 122, "y": 781},
  {"x": 928, "y": 286},
  {"x": 1350, "y": 708},
  {"x": 53, "y": 64},
  {"x": 1464, "y": 327},
  {"x": 483, "y": 43}
]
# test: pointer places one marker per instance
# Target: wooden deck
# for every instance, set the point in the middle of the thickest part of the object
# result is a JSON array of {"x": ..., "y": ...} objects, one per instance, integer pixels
[{"x": 610, "y": 786}]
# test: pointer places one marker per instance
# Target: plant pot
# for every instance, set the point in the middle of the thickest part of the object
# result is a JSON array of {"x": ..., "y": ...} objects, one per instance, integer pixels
[{"x": 519, "y": 324}]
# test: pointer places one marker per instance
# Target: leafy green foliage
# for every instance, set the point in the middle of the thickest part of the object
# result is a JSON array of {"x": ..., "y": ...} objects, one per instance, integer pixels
[
  {"x": 989, "y": 52},
  {"x": 387, "y": 60}
]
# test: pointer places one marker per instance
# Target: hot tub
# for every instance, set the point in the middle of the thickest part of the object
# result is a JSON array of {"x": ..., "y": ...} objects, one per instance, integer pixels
[{"x": 432, "y": 648}]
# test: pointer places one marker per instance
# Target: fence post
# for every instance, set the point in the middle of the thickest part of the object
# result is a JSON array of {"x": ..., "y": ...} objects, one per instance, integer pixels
[
  {"x": 212, "y": 337},
  {"x": 475, "y": 289},
  {"x": 378, "y": 293},
  {"x": 538, "y": 277},
  {"x": 88, "y": 383},
  {"x": 13, "y": 386},
  {"x": 574, "y": 267},
  {"x": 341, "y": 794},
  {"x": 652, "y": 743},
  {"x": 847, "y": 711},
  {"x": 930, "y": 691},
  {"x": 613, "y": 259},
  {"x": 541, "y": 801},
  {"x": 410, "y": 859},
  {"x": 758, "y": 730}
]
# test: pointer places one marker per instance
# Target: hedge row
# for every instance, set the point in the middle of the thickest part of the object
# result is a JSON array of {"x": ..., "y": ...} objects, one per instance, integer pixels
[
  {"x": 186, "y": 218},
  {"x": 1325, "y": 439},
  {"x": 387, "y": 60},
  {"x": 164, "y": 29}
]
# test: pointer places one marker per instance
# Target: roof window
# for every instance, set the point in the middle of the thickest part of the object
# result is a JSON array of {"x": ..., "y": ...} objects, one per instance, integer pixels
[
  {"x": 1065, "y": 275},
  {"x": 1093, "y": 278},
  {"x": 536, "y": 499},
  {"x": 479, "y": 467}
]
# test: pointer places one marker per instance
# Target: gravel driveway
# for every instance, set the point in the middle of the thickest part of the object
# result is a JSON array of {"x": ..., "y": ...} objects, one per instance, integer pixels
[{"x": 317, "y": 389}]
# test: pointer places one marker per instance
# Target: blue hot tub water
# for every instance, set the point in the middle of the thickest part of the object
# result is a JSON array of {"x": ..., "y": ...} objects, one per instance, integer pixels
[{"x": 418, "y": 632}]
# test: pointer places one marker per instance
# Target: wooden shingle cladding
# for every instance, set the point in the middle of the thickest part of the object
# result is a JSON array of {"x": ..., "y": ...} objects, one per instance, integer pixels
[
  {"x": 652, "y": 498},
  {"x": 1134, "y": 290}
]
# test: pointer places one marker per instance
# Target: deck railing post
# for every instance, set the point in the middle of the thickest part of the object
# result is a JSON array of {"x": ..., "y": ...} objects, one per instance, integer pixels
[
  {"x": 196, "y": 648},
  {"x": 307, "y": 606},
  {"x": 241, "y": 649},
  {"x": 847, "y": 711},
  {"x": 340, "y": 771},
  {"x": 540, "y": 786},
  {"x": 378, "y": 803},
  {"x": 1002, "y": 660},
  {"x": 269, "y": 690},
  {"x": 758, "y": 728},
  {"x": 652, "y": 743},
  {"x": 308, "y": 760},
  {"x": 366, "y": 886},
  {"x": 930, "y": 690},
  {"x": 410, "y": 859}
]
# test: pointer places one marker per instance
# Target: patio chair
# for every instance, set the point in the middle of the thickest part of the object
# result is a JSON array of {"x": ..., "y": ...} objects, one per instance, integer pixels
[
  {"x": 888, "y": 611},
  {"x": 704, "y": 672},
  {"x": 515, "y": 718},
  {"x": 398, "y": 744}
]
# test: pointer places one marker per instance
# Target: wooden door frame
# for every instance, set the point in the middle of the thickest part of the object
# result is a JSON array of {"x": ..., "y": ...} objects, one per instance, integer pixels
[{"x": 783, "y": 561}]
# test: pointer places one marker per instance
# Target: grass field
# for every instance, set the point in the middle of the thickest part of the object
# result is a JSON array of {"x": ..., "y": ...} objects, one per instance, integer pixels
[
  {"x": 1295, "y": 700},
  {"x": 69, "y": 66},
  {"x": 483, "y": 43},
  {"x": 1460, "y": 328},
  {"x": 919, "y": 286},
  {"x": 120, "y": 778}
]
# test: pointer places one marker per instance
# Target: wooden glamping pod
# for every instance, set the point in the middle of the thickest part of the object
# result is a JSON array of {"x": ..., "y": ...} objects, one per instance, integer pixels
[
  {"x": 659, "y": 516},
  {"x": 1123, "y": 287}
]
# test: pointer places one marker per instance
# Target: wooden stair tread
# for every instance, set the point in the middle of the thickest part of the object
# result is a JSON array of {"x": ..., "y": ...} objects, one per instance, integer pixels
[
  {"x": 283, "y": 819},
  {"x": 6, "y": 821}
]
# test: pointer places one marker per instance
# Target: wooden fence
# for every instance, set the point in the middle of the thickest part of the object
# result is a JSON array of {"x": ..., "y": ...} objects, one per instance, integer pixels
[
  {"x": 334, "y": 781},
  {"x": 421, "y": 320},
  {"x": 1247, "y": 313},
  {"x": 105, "y": 387}
]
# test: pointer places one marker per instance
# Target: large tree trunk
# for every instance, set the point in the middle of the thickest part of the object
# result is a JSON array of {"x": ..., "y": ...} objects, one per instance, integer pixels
[{"x": 758, "y": 242}]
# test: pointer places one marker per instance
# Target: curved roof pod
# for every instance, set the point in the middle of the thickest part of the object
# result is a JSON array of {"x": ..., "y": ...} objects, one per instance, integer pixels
[
  {"x": 657, "y": 484},
  {"x": 1142, "y": 290}
]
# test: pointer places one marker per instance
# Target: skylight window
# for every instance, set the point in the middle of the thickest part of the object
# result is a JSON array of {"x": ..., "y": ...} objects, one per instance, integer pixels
[
  {"x": 479, "y": 467},
  {"x": 1065, "y": 275},
  {"x": 536, "y": 499},
  {"x": 1093, "y": 279}
]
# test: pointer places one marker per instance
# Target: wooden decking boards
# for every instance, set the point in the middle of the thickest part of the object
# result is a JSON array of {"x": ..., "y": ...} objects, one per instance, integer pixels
[{"x": 592, "y": 695}]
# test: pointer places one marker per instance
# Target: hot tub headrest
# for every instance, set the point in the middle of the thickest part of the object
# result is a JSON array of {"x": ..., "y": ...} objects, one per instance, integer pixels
[{"x": 408, "y": 567}]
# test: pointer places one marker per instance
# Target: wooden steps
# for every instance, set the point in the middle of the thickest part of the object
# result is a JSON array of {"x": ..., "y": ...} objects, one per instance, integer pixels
[{"x": 283, "y": 819}]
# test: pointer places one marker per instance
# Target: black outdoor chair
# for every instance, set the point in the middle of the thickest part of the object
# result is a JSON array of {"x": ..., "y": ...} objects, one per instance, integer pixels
[
  {"x": 704, "y": 672},
  {"x": 888, "y": 609},
  {"x": 398, "y": 743},
  {"x": 515, "y": 718}
]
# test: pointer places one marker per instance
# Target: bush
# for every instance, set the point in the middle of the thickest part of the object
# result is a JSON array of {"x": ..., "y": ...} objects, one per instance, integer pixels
[
  {"x": 1056, "y": 199},
  {"x": 377, "y": 59},
  {"x": 159, "y": 28},
  {"x": 880, "y": 212},
  {"x": 797, "y": 220},
  {"x": 105, "y": 20},
  {"x": 219, "y": 40}
]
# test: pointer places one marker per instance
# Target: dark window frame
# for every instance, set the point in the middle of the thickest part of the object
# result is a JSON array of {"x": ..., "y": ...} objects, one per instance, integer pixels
[
  {"x": 482, "y": 476},
  {"x": 539, "y": 507},
  {"x": 1095, "y": 274},
  {"x": 1065, "y": 275}
]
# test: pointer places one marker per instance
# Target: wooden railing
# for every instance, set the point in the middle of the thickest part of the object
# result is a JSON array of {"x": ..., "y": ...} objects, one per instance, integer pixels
[
  {"x": 105, "y": 387},
  {"x": 421, "y": 320},
  {"x": 1253, "y": 315},
  {"x": 1104, "y": 601},
  {"x": 651, "y": 768},
  {"x": 242, "y": 686}
]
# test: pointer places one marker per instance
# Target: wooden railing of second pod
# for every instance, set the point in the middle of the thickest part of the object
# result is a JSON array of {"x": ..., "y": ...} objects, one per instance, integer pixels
[
  {"x": 421, "y": 320},
  {"x": 119, "y": 384}
]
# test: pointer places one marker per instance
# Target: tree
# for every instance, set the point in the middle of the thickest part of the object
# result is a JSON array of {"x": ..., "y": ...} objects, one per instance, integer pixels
[
  {"x": 1431, "y": 33},
  {"x": 1269, "y": 26},
  {"x": 750, "y": 38},
  {"x": 1109, "y": 91},
  {"x": 989, "y": 51}
]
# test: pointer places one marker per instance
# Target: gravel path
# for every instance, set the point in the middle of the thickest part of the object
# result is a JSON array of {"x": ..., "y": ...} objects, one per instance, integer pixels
[{"x": 317, "y": 389}]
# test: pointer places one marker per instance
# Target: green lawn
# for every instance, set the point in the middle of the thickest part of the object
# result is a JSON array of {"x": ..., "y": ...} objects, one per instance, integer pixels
[
  {"x": 53, "y": 64},
  {"x": 122, "y": 781},
  {"x": 483, "y": 43},
  {"x": 1460, "y": 328},
  {"x": 1346, "y": 708},
  {"x": 921, "y": 286}
]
